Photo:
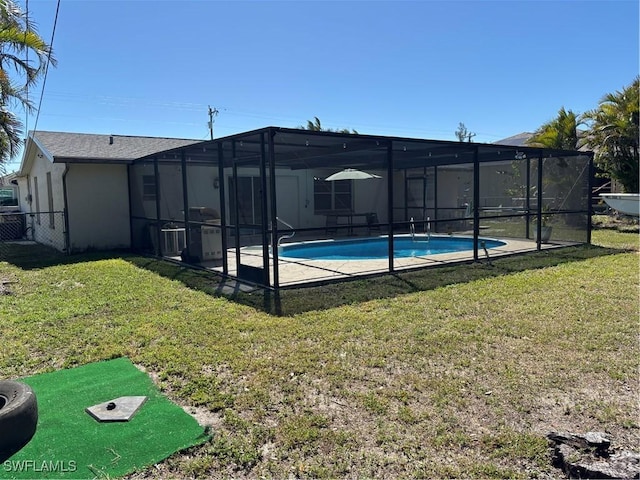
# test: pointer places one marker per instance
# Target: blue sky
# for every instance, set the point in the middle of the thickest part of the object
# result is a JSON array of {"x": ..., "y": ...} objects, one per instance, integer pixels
[{"x": 415, "y": 69}]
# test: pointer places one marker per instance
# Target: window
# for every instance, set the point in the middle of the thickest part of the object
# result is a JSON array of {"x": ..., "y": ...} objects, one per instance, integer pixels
[
  {"x": 8, "y": 197},
  {"x": 52, "y": 216},
  {"x": 149, "y": 188},
  {"x": 332, "y": 196}
]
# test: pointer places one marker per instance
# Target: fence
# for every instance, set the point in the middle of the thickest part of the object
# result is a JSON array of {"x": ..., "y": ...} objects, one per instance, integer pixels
[{"x": 47, "y": 228}]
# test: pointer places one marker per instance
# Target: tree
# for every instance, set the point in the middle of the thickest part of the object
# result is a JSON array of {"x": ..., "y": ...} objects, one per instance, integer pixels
[
  {"x": 463, "y": 134},
  {"x": 559, "y": 174},
  {"x": 613, "y": 135},
  {"x": 316, "y": 126},
  {"x": 562, "y": 132},
  {"x": 18, "y": 38}
]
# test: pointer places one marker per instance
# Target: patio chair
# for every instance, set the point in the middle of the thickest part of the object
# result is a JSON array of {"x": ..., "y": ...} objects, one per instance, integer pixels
[
  {"x": 331, "y": 226},
  {"x": 372, "y": 222}
]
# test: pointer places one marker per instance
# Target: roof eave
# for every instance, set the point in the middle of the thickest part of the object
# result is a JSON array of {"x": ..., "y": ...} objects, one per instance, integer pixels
[
  {"x": 88, "y": 160},
  {"x": 29, "y": 155}
]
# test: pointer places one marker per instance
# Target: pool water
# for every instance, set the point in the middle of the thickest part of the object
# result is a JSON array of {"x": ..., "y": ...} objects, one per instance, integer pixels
[{"x": 378, "y": 248}]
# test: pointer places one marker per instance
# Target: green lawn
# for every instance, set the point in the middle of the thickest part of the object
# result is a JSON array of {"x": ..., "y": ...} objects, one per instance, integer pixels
[{"x": 449, "y": 372}]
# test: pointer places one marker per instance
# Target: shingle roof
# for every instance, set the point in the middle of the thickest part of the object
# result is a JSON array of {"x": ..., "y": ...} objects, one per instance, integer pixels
[
  {"x": 519, "y": 140},
  {"x": 89, "y": 146}
]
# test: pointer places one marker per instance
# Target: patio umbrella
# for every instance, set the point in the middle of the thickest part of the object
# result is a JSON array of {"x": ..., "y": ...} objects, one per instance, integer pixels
[{"x": 351, "y": 174}]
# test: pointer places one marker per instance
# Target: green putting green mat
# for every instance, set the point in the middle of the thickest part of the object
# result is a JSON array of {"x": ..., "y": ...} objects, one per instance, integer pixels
[{"x": 71, "y": 444}]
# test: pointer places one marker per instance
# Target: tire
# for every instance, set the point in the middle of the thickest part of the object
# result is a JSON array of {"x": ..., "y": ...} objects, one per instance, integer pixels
[{"x": 18, "y": 417}]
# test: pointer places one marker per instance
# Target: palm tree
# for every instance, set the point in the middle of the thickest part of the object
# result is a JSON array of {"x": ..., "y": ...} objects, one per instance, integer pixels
[
  {"x": 18, "y": 38},
  {"x": 613, "y": 135},
  {"x": 561, "y": 132},
  {"x": 316, "y": 126}
]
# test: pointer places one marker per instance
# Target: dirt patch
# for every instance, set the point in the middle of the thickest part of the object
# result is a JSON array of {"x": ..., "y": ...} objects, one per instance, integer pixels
[
  {"x": 203, "y": 416},
  {"x": 620, "y": 223},
  {"x": 5, "y": 283}
]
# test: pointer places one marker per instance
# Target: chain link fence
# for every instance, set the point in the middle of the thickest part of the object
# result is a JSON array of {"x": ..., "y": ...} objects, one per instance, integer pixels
[{"x": 46, "y": 228}]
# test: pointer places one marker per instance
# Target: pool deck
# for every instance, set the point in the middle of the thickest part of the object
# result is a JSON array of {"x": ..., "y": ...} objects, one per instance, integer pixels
[{"x": 296, "y": 271}]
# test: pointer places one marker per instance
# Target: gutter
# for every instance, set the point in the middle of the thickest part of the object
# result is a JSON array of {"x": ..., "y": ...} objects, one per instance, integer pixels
[{"x": 67, "y": 244}]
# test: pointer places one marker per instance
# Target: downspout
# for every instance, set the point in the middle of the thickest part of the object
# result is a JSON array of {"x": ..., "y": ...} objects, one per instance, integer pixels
[
  {"x": 65, "y": 210},
  {"x": 185, "y": 205},
  {"x": 129, "y": 166},
  {"x": 157, "y": 227}
]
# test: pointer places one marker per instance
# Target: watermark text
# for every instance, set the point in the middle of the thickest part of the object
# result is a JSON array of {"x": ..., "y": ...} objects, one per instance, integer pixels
[{"x": 39, "y": 466}]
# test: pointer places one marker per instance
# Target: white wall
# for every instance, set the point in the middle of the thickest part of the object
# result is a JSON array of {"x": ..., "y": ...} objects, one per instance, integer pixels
[
  {"x": 295, "y": 199},
  {"x": 98, "y": 207},
  {"x": 295, "y": 192},
  {"x": 44, "y": 228},
  {"x": 202, "y": 192}
]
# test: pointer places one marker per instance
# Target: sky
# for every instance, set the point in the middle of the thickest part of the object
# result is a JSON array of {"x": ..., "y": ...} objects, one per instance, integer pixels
[{"x": 399, "y": 68}]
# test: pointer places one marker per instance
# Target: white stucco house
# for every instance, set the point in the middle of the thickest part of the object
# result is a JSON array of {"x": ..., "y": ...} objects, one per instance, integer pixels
[
  {"x": 78, "y": 185},
  {"x": 229, "y": 203}
]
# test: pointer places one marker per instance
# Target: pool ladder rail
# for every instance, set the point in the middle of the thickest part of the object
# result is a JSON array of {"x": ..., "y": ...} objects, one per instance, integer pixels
[
  {"x": 426, "y": 225},
  {"x": 428, "y": 228},
  {"x": 285, "y": 237}
]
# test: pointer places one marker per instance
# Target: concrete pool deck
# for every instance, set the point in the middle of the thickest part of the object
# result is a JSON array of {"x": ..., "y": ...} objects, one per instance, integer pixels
[{"x": 297, "y": 271}]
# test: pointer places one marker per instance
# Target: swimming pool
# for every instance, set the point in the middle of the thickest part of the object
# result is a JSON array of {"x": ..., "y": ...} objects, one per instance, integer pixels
[{"x": 378, "y": 247}]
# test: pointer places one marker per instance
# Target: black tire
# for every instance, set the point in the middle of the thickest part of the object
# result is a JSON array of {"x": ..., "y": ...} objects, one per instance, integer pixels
[{"x": 18, "y": 417}]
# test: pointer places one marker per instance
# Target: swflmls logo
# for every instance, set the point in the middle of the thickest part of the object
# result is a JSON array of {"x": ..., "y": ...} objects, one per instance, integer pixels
[{"x": 43, "y": 466}]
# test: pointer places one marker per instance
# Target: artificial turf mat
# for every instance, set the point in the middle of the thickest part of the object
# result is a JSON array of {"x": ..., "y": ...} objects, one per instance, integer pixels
[{"x": 70, "y": 444}]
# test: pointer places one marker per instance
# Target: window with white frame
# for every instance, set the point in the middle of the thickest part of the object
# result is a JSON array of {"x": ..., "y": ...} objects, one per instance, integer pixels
[
  {"x": 333, "y": 196},
  {"x": 149, "y": 188}
]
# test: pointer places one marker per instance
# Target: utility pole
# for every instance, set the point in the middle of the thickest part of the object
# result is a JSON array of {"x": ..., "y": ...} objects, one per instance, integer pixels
[{"x": 212, "y": 113}]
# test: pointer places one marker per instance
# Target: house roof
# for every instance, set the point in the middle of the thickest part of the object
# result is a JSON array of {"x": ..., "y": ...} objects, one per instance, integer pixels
[
  {"x": 7, "y": 179},
  {"x": 519, "y": 140},
  {"x": 69, "y": 147}
]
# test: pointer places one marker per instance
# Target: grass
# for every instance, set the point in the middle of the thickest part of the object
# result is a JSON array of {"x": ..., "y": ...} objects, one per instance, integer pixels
[{"x": 442, "y": 373}]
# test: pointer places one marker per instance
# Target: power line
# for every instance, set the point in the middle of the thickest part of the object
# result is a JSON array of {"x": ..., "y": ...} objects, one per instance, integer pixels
[
  {"x": 44, "y": 80},
  {"x": 46, "y": 68}
]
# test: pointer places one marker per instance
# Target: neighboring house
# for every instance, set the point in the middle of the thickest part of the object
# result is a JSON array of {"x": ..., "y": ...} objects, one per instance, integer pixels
[
  {"x": 9, "y": 193},
  {"x": 76, "y": 186},
  {"x": 600, "y": 183},
  {"x": 519, "y": 140}
]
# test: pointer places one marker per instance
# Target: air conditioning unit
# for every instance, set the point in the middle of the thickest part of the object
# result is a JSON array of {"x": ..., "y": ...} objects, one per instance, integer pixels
[{"x": 211, "y": 243}]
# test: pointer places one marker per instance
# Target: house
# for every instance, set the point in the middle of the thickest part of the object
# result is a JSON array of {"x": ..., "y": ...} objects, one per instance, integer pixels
[
  {"x": 228, "y": 203},
  {"x": 601, "y": 183},
  {"x": 518, "y": 140},
  {"x": 76, "y": 187},
  {"x": 9, "y": 193}
]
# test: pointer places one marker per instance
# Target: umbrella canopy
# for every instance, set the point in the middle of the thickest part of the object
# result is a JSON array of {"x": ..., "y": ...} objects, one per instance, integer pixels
[{"x": 351, "y": 174}]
